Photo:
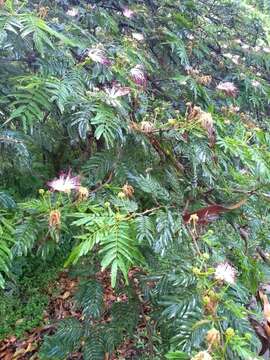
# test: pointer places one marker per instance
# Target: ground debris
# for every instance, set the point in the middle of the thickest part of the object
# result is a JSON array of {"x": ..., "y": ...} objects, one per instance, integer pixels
[{"x": 61, "y": 306}]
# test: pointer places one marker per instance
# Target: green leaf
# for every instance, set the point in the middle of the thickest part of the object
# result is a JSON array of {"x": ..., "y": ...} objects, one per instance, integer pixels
[{"x": 177, "y": 355}]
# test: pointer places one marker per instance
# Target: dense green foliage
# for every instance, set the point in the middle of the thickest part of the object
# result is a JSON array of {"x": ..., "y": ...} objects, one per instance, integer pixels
[
  {"x": 26, "y": 296},
  {"x": 162, "y": 108}
]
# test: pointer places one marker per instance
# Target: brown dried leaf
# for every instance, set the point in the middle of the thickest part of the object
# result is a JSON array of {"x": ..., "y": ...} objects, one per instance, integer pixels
[
  {"x": 266, "y": 306},
  {"x": 211, "y": 212},
  {"x": 259, "y": 329}
]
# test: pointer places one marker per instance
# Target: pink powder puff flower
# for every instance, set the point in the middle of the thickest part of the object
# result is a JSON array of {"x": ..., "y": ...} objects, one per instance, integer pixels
[
  {"x": 128, "y": 13},
  {"x": 65, "y": 183},
  {"x": 225, "y": 272},
  {"x": 228, "y": 88},
  {"x": 138, "y": 36},
  {"x": 255, "y": 83},
  {"x": 190, "y": 37},
  {"x": 98, "y": 55},
  {"x": 72, "y": 12},
  {"x": 234, "y": 58},
  {"x": 138, "y": 75},
  {"x": 116, "y": 91}
]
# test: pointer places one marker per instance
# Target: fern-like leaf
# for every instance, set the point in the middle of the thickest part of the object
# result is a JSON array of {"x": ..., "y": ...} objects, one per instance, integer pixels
[
  {"x": 64, "y": 341},
  {"x": 90, "y": 298},
  {"x": 6, "y": 201}
]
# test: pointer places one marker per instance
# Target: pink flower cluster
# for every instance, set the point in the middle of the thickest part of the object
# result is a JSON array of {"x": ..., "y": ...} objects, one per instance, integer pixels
[
  {"x": 98, "y": 56},
  {"x": 65, "y": 183},
  {"x": 138, "y": 75},
  {"x": 228, "y": 88},
  {"x": 117, "y": 90},
  {"x": 128, "y": 13},
  {"x": 225, "y": 273}
]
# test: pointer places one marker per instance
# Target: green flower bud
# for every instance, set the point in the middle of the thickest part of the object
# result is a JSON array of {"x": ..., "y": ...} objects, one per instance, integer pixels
[{"x": 229, "y": 333}]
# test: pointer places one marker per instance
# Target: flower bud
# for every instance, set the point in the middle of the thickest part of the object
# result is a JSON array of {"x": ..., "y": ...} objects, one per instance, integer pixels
[
  {"x": 213, "y": 337},
  {"x": 121, "y": 195},
  {"x": 202, "y": 355},
  {"x": 55, "y": 219},
  {"x": 205, "y": 256},
  {"x": 172, "y": 122},
  {"x": 118, "y": 217},
  {"x": 229, "y": 333},
  {"x": 196, "y": 271},
  {"x": 147, "y": 126},
  {"x": 206, "y": 299},
  {"x": 128, "y": 190},
  {"x": 210, "y": 303},
  {"x": 204, "y": 79},
  {"x": 82, "y": 193}
]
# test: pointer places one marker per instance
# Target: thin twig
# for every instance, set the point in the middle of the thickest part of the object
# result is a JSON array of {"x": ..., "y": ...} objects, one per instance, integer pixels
[
  {"x": 148, "y": 211},
  {"x": 103, "y": 184},
  {"x": 194, "y": 239},
  {"x": 248, "y": 192}
]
